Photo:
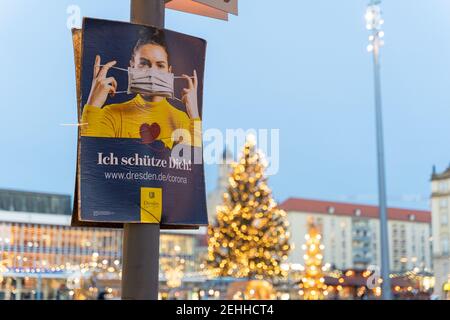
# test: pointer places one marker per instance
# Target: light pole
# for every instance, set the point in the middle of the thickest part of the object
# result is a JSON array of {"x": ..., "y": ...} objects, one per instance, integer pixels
[
  {"x": 374, "y": 22},
  {"x": 140, "y": 269}
]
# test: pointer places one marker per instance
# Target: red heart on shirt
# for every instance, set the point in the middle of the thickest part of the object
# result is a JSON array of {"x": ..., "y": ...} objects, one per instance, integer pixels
[{"x": 149, "y": 133}]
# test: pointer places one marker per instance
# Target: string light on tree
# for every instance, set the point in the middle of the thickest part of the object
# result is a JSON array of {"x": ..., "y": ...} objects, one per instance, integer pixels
[
  {"x": 250, "y": 237},
  {"x": 312, "y": 285}
]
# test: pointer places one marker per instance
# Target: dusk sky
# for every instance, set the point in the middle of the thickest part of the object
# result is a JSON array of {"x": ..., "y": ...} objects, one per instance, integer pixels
[{"x": 298, "y": 66}]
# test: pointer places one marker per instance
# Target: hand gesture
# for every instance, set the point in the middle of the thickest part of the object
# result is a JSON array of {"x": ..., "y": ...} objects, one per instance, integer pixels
[
  {"x": 101, "y": 85},
  {"x": 189, "y": 97}
]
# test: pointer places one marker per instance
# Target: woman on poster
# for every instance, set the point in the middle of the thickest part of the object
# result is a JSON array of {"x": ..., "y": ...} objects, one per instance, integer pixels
[{"x": 148, "y": 115}]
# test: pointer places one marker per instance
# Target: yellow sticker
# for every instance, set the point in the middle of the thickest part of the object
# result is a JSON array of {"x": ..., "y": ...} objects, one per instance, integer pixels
[{"x": 151, "y": 205}]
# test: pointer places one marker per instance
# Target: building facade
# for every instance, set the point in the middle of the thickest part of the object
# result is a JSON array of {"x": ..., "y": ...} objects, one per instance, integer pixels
[
  {"x": 351, "y": 234},
  {"x": 42, "y": 257},
  {"x": 440, "y": 202}
]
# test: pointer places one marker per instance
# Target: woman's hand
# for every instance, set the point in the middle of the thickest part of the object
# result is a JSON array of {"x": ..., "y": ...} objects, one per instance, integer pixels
[
  {"x": 189, "y": 96},
  {"x": 101, "y": 85}
]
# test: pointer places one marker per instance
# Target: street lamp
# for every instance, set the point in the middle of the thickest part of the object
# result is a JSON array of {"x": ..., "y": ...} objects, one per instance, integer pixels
[{"x": 374, "y": 22}]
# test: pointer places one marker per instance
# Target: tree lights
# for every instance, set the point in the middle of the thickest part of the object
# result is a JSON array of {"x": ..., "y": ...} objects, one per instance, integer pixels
[
  {"x": 312, "y": 285},
  {"x": 250, "y": 238}
]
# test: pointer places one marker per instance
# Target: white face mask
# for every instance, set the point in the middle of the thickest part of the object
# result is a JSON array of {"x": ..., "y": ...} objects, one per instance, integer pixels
[{"x": 150, "y": 82}]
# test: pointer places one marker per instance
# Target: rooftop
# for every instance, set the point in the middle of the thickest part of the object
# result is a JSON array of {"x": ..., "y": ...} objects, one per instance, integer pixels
[
  {"x": 440, "y": 176},
  {"x": 353, "y": 209},
  {"x": 35, "y": 202}
]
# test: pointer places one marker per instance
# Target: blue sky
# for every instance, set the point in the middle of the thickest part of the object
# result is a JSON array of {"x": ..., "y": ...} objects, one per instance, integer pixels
[{"x": 300, "y": 66}]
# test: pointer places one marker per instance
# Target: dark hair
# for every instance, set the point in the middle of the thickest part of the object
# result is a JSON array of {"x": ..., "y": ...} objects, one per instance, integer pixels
[{"x": 151, "y": 36}]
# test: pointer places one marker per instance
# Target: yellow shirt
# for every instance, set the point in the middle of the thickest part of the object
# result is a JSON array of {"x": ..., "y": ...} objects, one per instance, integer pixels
[{"x": 124, "y": 120}]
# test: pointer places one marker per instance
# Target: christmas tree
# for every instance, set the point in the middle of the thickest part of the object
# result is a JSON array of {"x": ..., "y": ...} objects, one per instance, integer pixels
[
  {"x": 312, "y": 285},
  {"x": 250, "y": 238}
]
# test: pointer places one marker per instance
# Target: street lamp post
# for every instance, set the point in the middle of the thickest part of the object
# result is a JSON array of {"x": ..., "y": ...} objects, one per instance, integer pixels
[{"x": 374, "y": 21}]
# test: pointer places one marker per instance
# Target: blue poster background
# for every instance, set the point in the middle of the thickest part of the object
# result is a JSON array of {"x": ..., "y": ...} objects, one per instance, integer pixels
[
  {"x": 183, "y": 204},
  {"x": 119, "y": 200}
]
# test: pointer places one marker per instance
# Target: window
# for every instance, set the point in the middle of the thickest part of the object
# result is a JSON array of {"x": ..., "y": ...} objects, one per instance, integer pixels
[
  {"x": 443, "y": 203},
  {"x": 443, "y": 186},
  {"x": 444, "y": 245},
  {"x": 444, "y": 218}
]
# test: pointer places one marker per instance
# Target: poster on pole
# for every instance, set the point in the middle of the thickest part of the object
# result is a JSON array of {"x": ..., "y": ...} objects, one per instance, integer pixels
[{"x": 140, "y": 98}]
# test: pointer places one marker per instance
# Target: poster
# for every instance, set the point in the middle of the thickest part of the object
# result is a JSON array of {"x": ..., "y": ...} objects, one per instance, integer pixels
[{"x": 140, "y": 94}]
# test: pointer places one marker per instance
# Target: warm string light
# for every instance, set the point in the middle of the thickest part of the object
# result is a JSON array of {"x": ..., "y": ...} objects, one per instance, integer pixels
[
  {"x": 173, "y": 268},
  {"x": 250, "y": 238},
  {"x": 28, "y": 254},
  {"x": 312, "y": 285},
  {"x": 67, "y": 267},
  {"x": 77, "y": 275}
]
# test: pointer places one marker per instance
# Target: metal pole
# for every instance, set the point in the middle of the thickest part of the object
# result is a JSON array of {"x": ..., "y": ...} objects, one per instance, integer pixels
[
  {"x": 141, "y": 241},
  {"x": 148, "y": 12},
  {"x": 386, "y": 285}
]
